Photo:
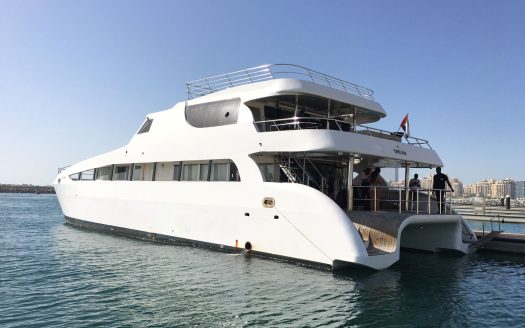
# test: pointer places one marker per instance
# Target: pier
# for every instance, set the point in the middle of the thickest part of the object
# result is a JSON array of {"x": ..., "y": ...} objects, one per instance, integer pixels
[
  {"x": 502, "y": 242},
  {"x": 512, "y": 215}
]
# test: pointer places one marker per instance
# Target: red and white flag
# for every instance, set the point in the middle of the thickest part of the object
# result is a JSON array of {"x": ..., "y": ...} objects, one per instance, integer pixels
[{"x": 404, "y": 125}]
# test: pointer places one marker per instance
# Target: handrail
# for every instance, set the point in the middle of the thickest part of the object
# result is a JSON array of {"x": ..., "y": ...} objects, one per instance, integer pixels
[
  {"x": 60, "y": 169},
  {"x": 411, "y": 202},
  {"x": 201, "y": 87},
  {"x": 319, "y": 123}
]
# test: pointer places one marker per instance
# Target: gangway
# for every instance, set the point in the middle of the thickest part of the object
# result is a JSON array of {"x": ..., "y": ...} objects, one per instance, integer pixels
[{"x": 481, "y": 242}]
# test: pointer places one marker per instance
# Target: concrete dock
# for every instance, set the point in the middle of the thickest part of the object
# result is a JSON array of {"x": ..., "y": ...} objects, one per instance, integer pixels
[
  {"x": 512, "y": 215},
  {"x": 504, "y": 242}
]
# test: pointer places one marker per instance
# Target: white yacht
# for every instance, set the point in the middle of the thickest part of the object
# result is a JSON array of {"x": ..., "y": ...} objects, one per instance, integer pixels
[{"x": 263, "y": 160}]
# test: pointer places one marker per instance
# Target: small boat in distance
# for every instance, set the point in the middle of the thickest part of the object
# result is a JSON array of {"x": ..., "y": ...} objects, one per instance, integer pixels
[{"x": 263, "y": 159}]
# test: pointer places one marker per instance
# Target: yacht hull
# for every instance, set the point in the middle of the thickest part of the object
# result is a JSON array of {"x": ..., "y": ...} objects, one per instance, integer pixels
[{"x": 304, "y": 225}]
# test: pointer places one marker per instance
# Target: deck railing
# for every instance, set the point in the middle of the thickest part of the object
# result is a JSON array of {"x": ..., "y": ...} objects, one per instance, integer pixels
[
  {"x": 60, "y": 169},
  {"x": 304, "y": 123},
  {"x": 401, "y": 199},
  {"x": 212, "y": 84}
]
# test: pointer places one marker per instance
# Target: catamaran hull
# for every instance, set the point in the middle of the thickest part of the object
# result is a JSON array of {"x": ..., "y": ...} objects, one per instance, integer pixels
[{"x": 304, "y": 225}]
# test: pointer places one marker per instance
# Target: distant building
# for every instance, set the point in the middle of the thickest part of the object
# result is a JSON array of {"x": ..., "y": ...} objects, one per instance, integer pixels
[
  {"x": 458, "y": 187},
  {"x": 484, "y": 188},
  {"x": 488, "y": 188},
  {"x": 519, "y": 189},
  {"x": 503, "y": 188},
  {"x": 469, "y": 190},
  {"x": 426, "y": 183}
]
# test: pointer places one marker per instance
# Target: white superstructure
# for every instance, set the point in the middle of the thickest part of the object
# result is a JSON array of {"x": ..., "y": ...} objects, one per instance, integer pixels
[{"x": 257, "y": 159}]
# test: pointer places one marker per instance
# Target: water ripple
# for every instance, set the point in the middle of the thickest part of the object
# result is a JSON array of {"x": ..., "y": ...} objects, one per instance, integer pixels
[{"x": 54, "y": 275}]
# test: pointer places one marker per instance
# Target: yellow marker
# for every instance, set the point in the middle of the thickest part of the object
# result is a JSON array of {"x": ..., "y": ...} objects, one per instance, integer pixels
[{"x": 236, "y": 246}]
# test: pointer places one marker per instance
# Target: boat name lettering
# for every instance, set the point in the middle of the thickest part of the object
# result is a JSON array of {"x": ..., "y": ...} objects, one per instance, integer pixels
[{"x": 400, "y": 152}]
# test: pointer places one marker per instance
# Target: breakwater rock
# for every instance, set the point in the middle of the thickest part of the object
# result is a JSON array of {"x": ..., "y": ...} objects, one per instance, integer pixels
[{"x": 24, "y": 188}]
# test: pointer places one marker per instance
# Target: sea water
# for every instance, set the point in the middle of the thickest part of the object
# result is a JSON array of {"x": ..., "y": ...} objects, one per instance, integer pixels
[{"x": 55, "y": 275}]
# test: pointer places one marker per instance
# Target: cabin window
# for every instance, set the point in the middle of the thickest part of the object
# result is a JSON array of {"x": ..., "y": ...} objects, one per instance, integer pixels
[
  {"x": 104, "y": 173},
  {"x": 75, "y": 176},
  {"x": 203, "y": 172},
  {"x": 266, "y": 171},
  {"x": 87, "y": 175},
  {"x": 145, "y": 126},
  {"x": 220, "y": 172},
  {"x": 147, "y": 172},
  {"x": 176, "y": 172},
  {"x": 190, "y": 172},
  {"x": 234, "y": 172},
  {"x": 137, "y": 172},
  {"x": 121, "y": 172},
  {"x": 215, "y": 113}
]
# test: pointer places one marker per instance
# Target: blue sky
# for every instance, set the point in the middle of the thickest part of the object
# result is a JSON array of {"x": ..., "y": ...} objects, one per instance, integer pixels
[{"x": 78, "y": 77}]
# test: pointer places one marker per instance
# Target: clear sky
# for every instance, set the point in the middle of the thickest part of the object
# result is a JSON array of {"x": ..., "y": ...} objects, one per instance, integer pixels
[{"x": 78, "y": 77}]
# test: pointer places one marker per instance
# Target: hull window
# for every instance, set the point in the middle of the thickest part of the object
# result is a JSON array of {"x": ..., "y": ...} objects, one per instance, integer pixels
[
  {"x": 220, "y": 172},
  {"x": 87, "y": 175},
  {"x": 104, "y": 173},
  {"x": 203, "y": 172},
  {"x": 75, "y": 176},
  {"x": 267, "y": 171},
  {"x": 137, "y": 172},
  {"x": 190, "y": 172},
  {"x": 121, "y": 172},
  {"x": 209, "y": 170}
]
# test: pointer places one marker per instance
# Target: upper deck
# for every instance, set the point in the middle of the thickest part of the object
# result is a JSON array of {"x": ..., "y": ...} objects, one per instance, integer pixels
[{"x": 201, "y": 87}]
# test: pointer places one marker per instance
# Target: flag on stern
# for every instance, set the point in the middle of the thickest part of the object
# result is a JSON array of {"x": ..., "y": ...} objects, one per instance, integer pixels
[{"x": 404, "y": 125}]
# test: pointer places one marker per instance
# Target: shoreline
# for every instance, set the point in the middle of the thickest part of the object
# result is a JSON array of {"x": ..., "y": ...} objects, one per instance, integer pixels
[{"x": 26, "y": 189}]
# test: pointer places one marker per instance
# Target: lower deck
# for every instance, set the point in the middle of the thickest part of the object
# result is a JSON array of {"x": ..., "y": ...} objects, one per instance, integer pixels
[{"x": 380, "y": 230}]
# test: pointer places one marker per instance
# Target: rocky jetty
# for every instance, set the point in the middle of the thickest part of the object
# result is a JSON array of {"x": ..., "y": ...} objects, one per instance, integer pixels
[{"x": 24, "y": 188}]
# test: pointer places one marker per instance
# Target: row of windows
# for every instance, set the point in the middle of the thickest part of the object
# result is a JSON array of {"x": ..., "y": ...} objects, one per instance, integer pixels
[{"x": 211, "y": 170}]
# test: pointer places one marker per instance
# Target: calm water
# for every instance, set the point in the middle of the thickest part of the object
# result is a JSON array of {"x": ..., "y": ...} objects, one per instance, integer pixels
[{"x": 54, "y": 275}]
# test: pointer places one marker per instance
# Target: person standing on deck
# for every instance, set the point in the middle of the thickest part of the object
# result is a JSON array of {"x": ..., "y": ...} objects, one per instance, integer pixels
[
  {"x": 438, "y": 184},
  {"x": 361, "y": 185},
  {"x": 414, "y": 184},
  {"x": 378, "y": 188}
]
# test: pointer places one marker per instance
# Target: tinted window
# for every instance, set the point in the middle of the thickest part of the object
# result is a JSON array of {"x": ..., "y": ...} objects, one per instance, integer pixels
[
  {"x": 190, "y": 172},
  {"x": 121, "y": 172},
  {"x": 214, "y": 113},
  {"x": 103, "y": 173},
  {"x": 146, "y": 126}
]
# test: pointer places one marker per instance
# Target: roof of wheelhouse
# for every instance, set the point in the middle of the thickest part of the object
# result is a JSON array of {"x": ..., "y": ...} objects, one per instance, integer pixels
[{"x": 283, "y": 79}]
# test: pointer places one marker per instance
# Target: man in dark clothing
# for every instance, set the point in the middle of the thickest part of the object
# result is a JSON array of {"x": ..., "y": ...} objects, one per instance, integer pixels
[{"x": 439, "y": 187}]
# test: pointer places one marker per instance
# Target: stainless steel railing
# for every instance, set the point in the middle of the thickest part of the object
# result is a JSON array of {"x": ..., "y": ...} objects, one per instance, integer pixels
[
  {"x": 401, "y": 199},
  {"x": 212, "y": 84},
  {"x": 60, "y": 169},
  {"x": 303, "y": 176},
  {"x": 304, "y": 123}
]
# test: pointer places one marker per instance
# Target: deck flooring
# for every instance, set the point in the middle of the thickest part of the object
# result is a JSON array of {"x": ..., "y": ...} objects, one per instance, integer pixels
[{"x": 378, "y": 229}]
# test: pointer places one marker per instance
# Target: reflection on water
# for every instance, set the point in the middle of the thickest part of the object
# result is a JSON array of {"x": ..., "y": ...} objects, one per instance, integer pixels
[{"x": 56, "y": 275}]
